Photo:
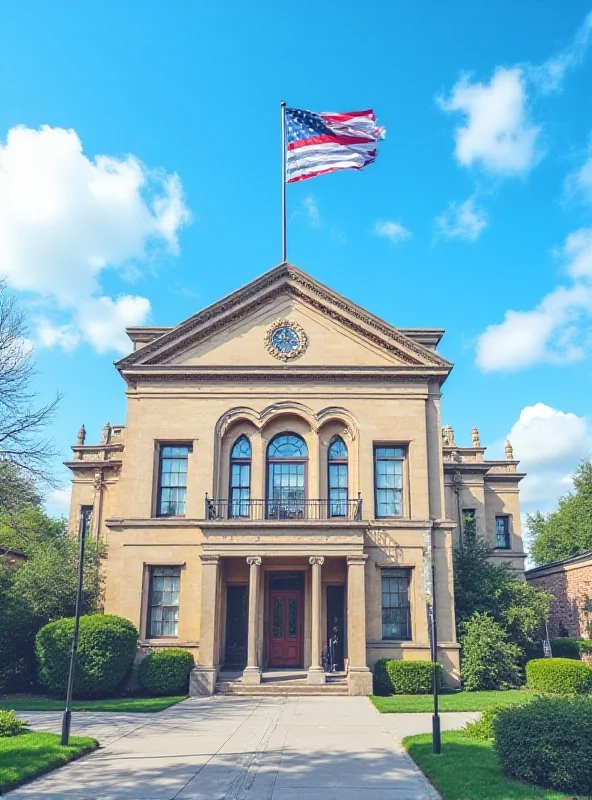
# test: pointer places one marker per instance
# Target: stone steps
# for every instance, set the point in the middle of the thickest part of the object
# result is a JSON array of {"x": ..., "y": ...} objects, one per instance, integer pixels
[{"x": 337, "y": 686}]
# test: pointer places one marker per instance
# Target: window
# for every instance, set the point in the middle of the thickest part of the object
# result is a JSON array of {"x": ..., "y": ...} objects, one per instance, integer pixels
[
  {"x": 396, "y": 611},
  {"x": 287, "y": 455},
  {"x": 502, "y": 532},
  {"x": 172, "y": 484},
  {"x": 388, "y": 480},
  {"x": 338, "y": 489},
  {"x": 163, "y": 614},
  {"x": 240, "y": 478},
  {"x": 468, "y": 514},
  {"x": 86, "y": 519}
]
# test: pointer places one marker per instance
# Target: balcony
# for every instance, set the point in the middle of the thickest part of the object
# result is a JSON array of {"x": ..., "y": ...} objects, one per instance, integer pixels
[{"x": 284, "y": 509}]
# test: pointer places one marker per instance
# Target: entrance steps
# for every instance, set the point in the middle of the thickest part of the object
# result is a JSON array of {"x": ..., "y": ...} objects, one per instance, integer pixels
[{"x": 282, "y": 682}]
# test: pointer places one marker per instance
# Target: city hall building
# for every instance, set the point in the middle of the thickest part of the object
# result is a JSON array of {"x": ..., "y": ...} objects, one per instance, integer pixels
[{"x": 281, "y": 479}]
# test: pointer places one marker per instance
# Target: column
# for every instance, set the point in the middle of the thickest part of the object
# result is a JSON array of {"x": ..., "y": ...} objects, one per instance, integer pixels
[
  {"x": 359, "y": 676},
  {"x": 316, "y": 674},
  {"x": 203, "y": 676},
  {"x": 252, "y": 672}
]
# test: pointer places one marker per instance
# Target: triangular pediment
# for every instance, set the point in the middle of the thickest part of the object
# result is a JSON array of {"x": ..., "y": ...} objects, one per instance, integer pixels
[{"x": 234, "y": 331}]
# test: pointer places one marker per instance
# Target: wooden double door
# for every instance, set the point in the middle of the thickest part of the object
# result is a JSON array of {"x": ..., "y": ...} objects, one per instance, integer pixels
[{"x": 285, "y": 627}]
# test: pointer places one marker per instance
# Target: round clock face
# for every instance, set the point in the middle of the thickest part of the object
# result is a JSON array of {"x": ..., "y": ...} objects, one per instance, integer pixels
[{"x": 285, "y": 339}]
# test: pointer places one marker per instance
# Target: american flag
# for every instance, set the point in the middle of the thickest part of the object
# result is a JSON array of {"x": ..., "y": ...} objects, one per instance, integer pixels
[{"x": 326, "y": 142}]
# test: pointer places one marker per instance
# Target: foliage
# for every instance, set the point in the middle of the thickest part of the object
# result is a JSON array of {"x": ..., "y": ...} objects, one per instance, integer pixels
[
  {"x": 26, "y": 527},
  {"x": 450, "y": 701},
  {"x": 547, "y": 743},
  {"x": 122, "y": 704},
  {"x": 567, "y": 531},
  {"x": 559, "y": 676},
  {"x": 407, "y": 677},
  {"x": 106, "y": 650},
  {"x": 482, "y": 729},
  {"x": 17, "y": 636},
  {"x": 165, "y": 672},
  {"x": 30, "y": 754},
  {"x": 10, "y": 724},
  {"x": 490, "y": 660},
  {"x": 467, "y": 768},
  {"x": 564, "y": 647}
]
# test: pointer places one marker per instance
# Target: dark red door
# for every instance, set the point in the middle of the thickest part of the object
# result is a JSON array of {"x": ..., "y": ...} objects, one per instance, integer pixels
[{"x": 285, "y": 628}]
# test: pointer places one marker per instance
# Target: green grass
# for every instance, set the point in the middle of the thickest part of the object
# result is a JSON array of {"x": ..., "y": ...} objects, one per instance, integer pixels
[
  {"x": 457, "y": 701},
  {"x": 146, "y": 704},
  {"x": 468, "y": 770},
  {"x": 30, "y": 754}
]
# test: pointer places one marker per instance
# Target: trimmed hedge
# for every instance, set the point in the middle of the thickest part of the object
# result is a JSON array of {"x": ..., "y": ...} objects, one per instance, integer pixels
[
  {"x": 406, "y": 677},
  {"x": 559, "y": 676},
  {"x": 10, "y": 724},
  {"x": 564, "y": 647},
  {"x": 547, "y": 743},
  {"x": 166, "y": 672},
  {"x": 106, "y": 649}
]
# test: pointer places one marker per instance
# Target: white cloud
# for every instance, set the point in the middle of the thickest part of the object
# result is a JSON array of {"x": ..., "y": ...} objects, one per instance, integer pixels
[
  {"x": 311, "y": 210},
  {"x": 549, "y": 76},
  {"x": 578, "y": 251},
  {"x": 64, "y": 218},
  {"x": 462, "y": 221},
  {"x": 57, "y": 502},
  {"x": 496, "y": 131},
  {"x": 393, "y": 231},
  {"x": 579, "y": 182}
]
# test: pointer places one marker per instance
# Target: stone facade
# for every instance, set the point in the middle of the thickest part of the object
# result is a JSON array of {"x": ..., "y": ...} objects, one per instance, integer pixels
[
  {"x": 267, "y": 577},
  {"x": 570, "y": 583}
]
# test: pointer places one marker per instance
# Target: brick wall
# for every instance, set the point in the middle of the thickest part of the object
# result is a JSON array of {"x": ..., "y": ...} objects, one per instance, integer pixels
[{"x": 570, "y": 583}]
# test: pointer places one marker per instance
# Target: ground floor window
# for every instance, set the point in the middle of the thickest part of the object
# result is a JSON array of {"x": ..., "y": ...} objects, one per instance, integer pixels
[
  {"x": 396, "y": 610},
  {"x": 163, "y": 612},
  {"x": 502, "y": 532}
]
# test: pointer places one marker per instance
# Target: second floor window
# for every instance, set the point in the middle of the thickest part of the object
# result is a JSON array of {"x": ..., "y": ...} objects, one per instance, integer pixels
[
  {"x": 172, "y": 484},
  {"x": 388, "y": 481},
  {"x": 287, "y": 456},
  {"x": 338, "y": 480},
  {"x": 240, "y": 478},
  {"x": 502, "y": 532}
]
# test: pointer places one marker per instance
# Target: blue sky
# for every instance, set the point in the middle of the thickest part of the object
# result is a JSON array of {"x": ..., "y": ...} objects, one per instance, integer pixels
[{"x": 143, "y": 183}]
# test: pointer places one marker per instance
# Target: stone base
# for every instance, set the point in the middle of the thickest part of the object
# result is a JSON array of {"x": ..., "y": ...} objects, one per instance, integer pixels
[
  {"x": 316, "y": 676},
  {"x": 251, "y": 676},
  {"x": 202, "y": 681},
  {"x": 359, "y": 681}
]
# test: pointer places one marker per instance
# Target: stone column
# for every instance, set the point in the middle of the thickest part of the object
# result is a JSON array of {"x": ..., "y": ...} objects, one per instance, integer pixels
[
  {"x": 316, "y": 674},
  {"x": 252, "y": 672},
  {"x": 203, "y": 676},
  {"x": 359, "y": 676}
]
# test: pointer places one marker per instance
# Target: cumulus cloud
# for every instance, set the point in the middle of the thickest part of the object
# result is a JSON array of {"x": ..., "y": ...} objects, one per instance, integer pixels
[
  {"x": 393, "y": 231},
  {"x": 462, "y": 221},
  {"x": 65, "y": 218},
  {"x": 57, "y": 502}
]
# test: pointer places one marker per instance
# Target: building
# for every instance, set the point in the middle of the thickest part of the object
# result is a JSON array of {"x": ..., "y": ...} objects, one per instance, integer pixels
[
  {"x": 280, "y": 473},
  {"x": 570, "y": 583}
]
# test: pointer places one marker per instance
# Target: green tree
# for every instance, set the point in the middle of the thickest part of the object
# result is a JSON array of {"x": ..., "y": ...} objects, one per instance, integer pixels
[{"x": 567, "y": 531}]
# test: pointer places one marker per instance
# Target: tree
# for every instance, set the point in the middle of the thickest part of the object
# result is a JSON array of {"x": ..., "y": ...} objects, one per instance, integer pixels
[{"x": 567, "y": 531}]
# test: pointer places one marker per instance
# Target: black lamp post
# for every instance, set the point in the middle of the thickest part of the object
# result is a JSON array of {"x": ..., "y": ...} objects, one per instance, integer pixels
[
  {"x": 67, "y": 711},
  {"x": 430, "y": 582}
]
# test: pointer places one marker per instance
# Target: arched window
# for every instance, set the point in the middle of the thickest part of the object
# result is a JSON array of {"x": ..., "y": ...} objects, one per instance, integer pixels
[
  {"x": 240, "y": 478},
  {"x": 287, "y": 456},
  {"x": 338, "y": 478}
]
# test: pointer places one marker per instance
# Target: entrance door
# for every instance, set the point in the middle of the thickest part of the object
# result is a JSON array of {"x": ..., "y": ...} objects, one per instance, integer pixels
[
  {"x": 336, "y": 624},
  {"x": 285, "y": 628},
  {"x": 235, "y": 652}
]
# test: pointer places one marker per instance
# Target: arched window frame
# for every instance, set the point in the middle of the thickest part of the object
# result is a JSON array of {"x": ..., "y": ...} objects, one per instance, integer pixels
[
  {"x": 286, "y": 501},
  {"x": 338, "y": 478},
  {"x": 239, "y": 490}
]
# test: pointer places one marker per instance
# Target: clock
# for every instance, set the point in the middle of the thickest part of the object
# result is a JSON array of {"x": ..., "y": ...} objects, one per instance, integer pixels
[{"x": 286, "y": 340}]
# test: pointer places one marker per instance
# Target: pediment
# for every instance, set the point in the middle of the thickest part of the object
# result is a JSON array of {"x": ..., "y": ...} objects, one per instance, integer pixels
[{"x": 232, "y": 332}]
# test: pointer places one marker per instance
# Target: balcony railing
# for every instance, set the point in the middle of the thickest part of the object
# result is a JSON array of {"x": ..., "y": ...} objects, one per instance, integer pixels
[{"x": 284, "y": 509}]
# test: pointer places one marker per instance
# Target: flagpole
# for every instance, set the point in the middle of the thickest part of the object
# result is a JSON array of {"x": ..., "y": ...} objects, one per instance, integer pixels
[{"x": 283, "y": 115}]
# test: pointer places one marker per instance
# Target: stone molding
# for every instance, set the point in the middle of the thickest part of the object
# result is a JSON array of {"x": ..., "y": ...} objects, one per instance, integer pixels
[
  {"x": 254, "y": 561},
  {"x": 357, "y": 560},
  {"x": 209, "y": 559},
  {"x": 320, "y": 560}
]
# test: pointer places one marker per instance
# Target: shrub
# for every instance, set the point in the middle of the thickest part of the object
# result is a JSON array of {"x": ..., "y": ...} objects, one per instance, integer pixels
[
  {"x": 165, "y": 672},
  {"x": 406, "y": 677},
  {"x": 489, "y": 659},
  {"x": 382, "y": 682},
  {"x": 547, "y": 742},
  {"x": 566, "y": 648},
  {"x": 10, "y": 724},
  {"x": 559, "y": 676},
  {"x": 106, "y": 650},
  {"x": 482, "y": 729}
]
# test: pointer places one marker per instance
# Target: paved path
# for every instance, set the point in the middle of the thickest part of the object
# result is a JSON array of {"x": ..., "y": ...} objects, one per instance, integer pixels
[{"x": 247, "y": 748}]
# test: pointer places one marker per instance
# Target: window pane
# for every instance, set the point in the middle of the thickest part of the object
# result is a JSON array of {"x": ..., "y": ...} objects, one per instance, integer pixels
[
  {"x": 396, "y": 615},
  {"x": 337, "y": 449},
  {"x": 164, "y": 602},
  {"x": 173, "y": 480},
  {"x": 286, "y": 446},
  {"x": 242, "y": 448}
]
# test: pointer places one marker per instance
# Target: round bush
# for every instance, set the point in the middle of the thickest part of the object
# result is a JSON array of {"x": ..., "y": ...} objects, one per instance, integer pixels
[
  {"x": 166, "y": 672},
  {"x": 547, "y": 743},
  {"x": 406, "y": 677},
  {"x": 106, "y": 650},
  {"x": 10, "y": 724},
  {"x": 559, "y": 676}
]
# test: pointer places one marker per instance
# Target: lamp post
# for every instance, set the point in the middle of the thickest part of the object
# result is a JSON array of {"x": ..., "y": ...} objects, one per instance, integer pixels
[
  {"x": 67, "y": 711},
  {"x": 430, "y": 584}
]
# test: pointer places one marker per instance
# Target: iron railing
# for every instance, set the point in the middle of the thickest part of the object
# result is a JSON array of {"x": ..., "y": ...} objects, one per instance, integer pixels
[{"x": 284, "y": 509}]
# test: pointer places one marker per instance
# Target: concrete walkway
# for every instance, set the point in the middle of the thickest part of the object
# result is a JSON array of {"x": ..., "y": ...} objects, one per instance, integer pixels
[{"x": 231, "y": 748}]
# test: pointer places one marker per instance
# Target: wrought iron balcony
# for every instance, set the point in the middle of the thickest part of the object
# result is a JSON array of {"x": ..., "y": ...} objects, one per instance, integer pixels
[{"x": 284, "y": 509}]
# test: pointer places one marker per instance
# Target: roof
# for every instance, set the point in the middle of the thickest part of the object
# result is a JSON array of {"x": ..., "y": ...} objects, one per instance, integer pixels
[{"x": 564, "y": 562}]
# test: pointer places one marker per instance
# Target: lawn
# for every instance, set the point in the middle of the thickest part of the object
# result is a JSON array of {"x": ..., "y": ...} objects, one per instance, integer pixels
[
  {"x": 456, "y": 701},
  {"x": 145, "y": 704},
  {"x": 468, "y": 770},
  {"x": 30, "y": 754}
]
